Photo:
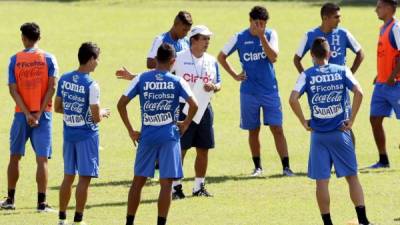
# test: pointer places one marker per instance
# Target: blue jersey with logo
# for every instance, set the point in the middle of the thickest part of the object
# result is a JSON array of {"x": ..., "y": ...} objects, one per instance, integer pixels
[
  {"x": 74, "y": 89},
  {"x": 339, "y": 40},
  {"x": 159, "y": 93},
  {"x": 258, "y": 68},
  {"x": 326, "y": 92},
  {"x": 179, "y": 45}
]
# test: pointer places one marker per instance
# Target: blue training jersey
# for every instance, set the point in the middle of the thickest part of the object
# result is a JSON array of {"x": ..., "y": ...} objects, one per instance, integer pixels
[
  {"x": 339, "y": 40},
  {"x": 179, "y": 45},
  {"x": 159, "y": 93},
  {"x": 326, "y": 92},
  {"x": 258, "y": 68},
  {"x": 78, "y": 91}
]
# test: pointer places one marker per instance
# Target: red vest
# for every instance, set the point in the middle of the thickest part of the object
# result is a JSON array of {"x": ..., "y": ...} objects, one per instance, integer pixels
[
  {"x": 387, "y": 56},
  {"x": 31, "y": 74}
]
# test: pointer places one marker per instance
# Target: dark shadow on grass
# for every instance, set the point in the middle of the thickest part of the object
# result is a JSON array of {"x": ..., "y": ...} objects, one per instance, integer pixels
[
  {"x": 366, "y": 171},
  {"x": 210, "y": 180},
  {"x": 397, "y": 219}
]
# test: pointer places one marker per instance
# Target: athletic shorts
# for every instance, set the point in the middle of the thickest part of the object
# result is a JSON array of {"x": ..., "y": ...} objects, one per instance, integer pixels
[
  {"x": 331, "y": 148},
  {"x": 385, "y": 99},
  {"x": 82, "y": 157},
  {"x": 40, "y": 137},
  {"x": 168, "y": 155},
  {"x": 250, "y": 106},
  {"x": 199, "y": 135}
]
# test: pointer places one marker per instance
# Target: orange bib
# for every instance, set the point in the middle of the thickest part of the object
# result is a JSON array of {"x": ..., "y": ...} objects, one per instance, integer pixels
[
  {"x": 31, "y": 74},
  {"x": 387, "y": 57}
]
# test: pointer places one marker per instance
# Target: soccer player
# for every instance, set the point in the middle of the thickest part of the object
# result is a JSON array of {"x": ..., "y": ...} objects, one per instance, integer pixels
[
  {"x": 159, "y": 92},
  {"x": 339, "y": 41},
  {"x": 200, "y": 70},
  {"x": 78, "y": 99},
  {"x": 386, "y": 95},
  {"x": 31, "y": 80},
  {"x": 331, "y": 143},
  {"x": 176, "y": 37},
  {"x": 258, "y": 50}
]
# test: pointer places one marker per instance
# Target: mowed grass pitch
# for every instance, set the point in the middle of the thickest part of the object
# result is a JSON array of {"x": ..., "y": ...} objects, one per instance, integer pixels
[{"x": 125, "y": 31}]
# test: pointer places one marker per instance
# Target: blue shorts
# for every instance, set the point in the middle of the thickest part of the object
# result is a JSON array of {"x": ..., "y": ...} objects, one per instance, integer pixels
[
  {"x": 199, "y": 135},
  {"x": 168, "y": 155},
  {"x": 250, "y": 106},
  {"x": 82, "y": 157},
  {"x": 385, "y": 99},
  {"x": 40, "y": 136},
  {"x": 327, "y": 148}
]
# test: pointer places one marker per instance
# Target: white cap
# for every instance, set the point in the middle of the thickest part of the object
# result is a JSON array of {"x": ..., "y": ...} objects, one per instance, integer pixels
[{"x": 200, "y": 29}]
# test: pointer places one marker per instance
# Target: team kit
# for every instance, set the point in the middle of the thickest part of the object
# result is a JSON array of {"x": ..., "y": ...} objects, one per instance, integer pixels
[{"x": 176, "y": 112}]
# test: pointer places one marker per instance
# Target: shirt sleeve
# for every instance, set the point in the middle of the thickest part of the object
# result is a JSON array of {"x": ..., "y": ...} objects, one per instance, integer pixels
[
  {"x": 133, "y": 88},
  {"x": 217, "y": 78},
  {"x": 185, "y": 92},
  {"x": 154, "y": 47},
  {"x": 231, "y": 46},
  {"x": 396, "y": 35},
  {"x": 11, "y": 70},
  {"x": 94, "y": 94},
  {"x": 273, "y": 41},
  {"x": 350, "y": 81},
  {"x": 300, "y": 84},
  {"x": 52, "y": 65},
  {"x": 303, "y": 47},
  {"x": 352, "y": 43}
]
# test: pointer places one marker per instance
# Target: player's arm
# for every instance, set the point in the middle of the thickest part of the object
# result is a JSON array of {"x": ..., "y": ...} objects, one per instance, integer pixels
[
  {"x": 151, "y": 57},
  {"x": 294, "y": 101},
  {"x": 123, "y": 102},
  {"x": 30, "y": 119},
  {"x": 269, "y": 47},
  {"x": 357, "y": 61},
  {"x": 183, "y": 125},
  {"x": 51, "y": 89},
  {"x": 297, "y": 63},
  {"x": 353, "y": 85},
  {"x": 94, "y": 103},
  {"x": 222, "y": 59},
  {"x": 301, "y": 51},
  {"x": 58, "y": 105},
  {"x": 124, "y": 74},
  {"x": 391, "y": 80},
  {"x": 13, "y": 89},
  {"x": 296, "y": 107},
  {"x": 396, "y": 34}
]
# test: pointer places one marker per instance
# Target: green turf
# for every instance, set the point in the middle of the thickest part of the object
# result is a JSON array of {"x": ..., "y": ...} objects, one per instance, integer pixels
[{"x": 125, "y": 30}]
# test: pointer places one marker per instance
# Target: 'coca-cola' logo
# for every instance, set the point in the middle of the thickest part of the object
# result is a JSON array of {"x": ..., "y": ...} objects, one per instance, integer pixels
[
  {"x": 164, "y": 105},
  {"x": 334, "y": 96}
]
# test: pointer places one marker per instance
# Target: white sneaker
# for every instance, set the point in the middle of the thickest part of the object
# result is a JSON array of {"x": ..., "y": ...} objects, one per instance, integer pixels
[
  {"x": 45, "y": 208},
  {"x": 62, "y": 222},
  {"x": 257, "y": 172}
]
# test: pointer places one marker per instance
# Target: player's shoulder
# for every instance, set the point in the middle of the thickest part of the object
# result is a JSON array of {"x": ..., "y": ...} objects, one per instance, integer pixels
[
  {"x": 313, "y": 31},
  {"x": 396, "y": 25},
  {"x": 342, "y": 31},
  {"x": 210, "y": 57},
  {"x": 183, "y": 54},
  {"x": 270, "y": 31}
]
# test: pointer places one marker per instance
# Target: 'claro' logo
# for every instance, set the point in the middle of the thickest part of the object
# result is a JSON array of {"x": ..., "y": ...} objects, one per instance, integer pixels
[{"x": 250, "y": 56}]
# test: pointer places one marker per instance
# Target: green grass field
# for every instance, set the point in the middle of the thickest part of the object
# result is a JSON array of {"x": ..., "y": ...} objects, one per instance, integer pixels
[{"x": 125, "y": 30}]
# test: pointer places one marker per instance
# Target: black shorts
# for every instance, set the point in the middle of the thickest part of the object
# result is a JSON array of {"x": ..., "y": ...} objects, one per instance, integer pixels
[{"x": 199, "y": 135}]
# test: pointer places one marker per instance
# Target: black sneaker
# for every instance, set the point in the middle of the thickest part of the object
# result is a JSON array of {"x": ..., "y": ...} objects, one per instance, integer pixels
[
  {"x": 178, "y": 192},
  {"x": 7, "y": 204},
  {"x": 202, "y": 191}
]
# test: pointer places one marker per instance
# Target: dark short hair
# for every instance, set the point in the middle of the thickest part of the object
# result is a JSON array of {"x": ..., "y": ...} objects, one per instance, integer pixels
[
  {"x": 87, "y": 51},
  {"x": 259, "y": 13},
  {"x": 329, "y": 8},
  {"x": 184, "y": 17},
  {"x": 30, "y": 31},
  {"x": 320, "y": 47},
  {"x": 165, "y": 53},
  {"x": 390, "y": 2}
]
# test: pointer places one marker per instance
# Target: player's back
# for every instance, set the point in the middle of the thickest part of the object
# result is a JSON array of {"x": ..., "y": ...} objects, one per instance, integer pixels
[
  {"x": 74, "y": 88},
  {"x": 326, "y": 92},
  {"x": 159, "y": 93}
]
